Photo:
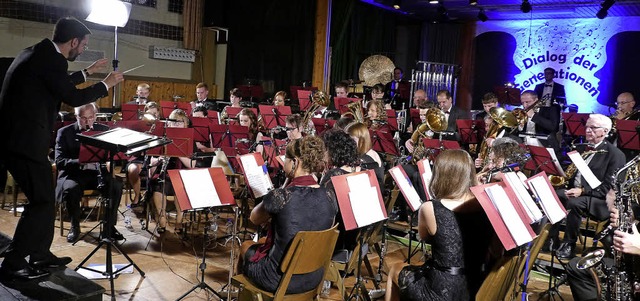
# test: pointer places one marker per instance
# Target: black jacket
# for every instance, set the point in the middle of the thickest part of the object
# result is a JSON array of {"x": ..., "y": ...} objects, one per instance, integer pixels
[{"x": 68, "y": 149}]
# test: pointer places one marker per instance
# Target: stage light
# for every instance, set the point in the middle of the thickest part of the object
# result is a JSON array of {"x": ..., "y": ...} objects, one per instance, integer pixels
[
  {"x": 109, "y": 12},
  {"x": 525, "y": 7},
  {"x": 434, "y": 1},
  {"x": 604, "y": 8},
  {"x": 482, "y": 16},
  {"x": 473, "y": 2},
  {"x": 396, "y": 4}
]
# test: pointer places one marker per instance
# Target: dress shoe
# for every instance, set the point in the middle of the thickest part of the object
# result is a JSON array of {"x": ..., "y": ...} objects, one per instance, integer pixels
[
  {"x": 74, "y": 233},
  {"x": 116, "y": 235},
  {"x": 26, "y": 273},
  {"x": 566, "y": 250},
  {"x": 51, "y": 261}
]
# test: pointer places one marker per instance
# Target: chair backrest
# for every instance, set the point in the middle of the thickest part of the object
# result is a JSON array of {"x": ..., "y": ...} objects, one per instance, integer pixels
[
  {"x": 308, "y": 252},
  {"x": 536, "y": 246},
  {"x": 497, "y": 283}
]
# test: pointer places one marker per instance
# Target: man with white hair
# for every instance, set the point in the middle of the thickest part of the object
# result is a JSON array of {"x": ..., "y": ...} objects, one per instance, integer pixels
[{"x": 580, "y": 198}]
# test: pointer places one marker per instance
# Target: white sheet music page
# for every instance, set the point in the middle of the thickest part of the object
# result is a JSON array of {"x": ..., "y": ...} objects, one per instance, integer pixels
[
  {"x": 584, "y": 169},
  {"x": 364, "y": 200},
  {"x": 199, "y": 187},
  {"x": 523, "y": 196},
  {"x": 555, "y": 161},
  {"x": 548, "y": 202},
  {"x": 509, "y": 215},
  {"x": 427, "y": 175},
  {"x": 406, "y": 187},
  {"x": 257, "y": 176},
  {"x": 123, "y": 136}
]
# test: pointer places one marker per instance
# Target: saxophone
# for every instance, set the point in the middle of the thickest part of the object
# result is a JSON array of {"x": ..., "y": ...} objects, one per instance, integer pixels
[{"x": 559, "y": 181}]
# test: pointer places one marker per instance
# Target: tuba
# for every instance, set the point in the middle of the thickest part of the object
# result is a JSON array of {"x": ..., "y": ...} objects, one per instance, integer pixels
[
  {"x": 435, "y": 122},
  {"x": 501, "y": 118},
  {"x": 318, "y": 99}
]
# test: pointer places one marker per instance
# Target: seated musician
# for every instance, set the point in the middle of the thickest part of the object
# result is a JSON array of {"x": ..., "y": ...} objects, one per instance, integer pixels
[
  {"x": 342, "y": 154},
  {"x": 360, "y": 134},
  {"x": 580, "y": 198},
  {"x": 444, "y": 276},
  {"x": 626, "y": 111},
  {"x": 504, "y": 151},
  {"x": 202, "y": 98},
  {"x": 74, "y": 177},
  {"x": 279, "y": 97},
  {"x": 301, "y": 206},
  {"x": 422, "y": 103},
  {"x": 541, "y": 122},
  {"x": 489, "y": 100},
  {"x": 142, "y": 94},
  {"x": 248, "y": 118},
  {"x": 158, "y": 173},
  {"x": 377, "y": 93},
  {"x": 376, "y": 117},
  {"x": 294, "y": 126},
  {"x": 343, "y": 122},
  {"x": 152, "y": 107},
  {"x": 582, "y": 281},
  {"x": 235, "y": 97}
]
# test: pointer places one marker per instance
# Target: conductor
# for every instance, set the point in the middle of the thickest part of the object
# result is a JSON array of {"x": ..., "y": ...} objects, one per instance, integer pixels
[{"x": 34, "y": 87}]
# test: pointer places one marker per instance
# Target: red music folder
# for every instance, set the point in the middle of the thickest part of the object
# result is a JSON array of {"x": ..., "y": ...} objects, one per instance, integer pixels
[
  {"x": 201, "y": 127},
  {"x": 406, "y": 187},
  {"x": 201, "y": 188},
  {"x": 131, "y": 111},
  {"x": 256, "y": 174},
  {"x": 543, "y": 159},
  {"x": 440, "y": 144},
  {"x": 547, "y": 198},
  {"x": 92, "y": 154},
  {"x": 628, "y": 134},
  {"x": 168, "y": 107},
  {"x": 304, "y": 99},
  {"x": 214, "y": 116},
  {"x": 274, "y": 115},
  {"x": 392, "y": 119},
  {"x": 424, "y": 168},
  {"x": 575, "y": 123},
  {"x": 181, "y": 145},
  {"x": 357, "y": 209},
  {"x": 322, "y": 124},
  {"x": 342, "y": 102},
  {"x": 507, "y": 220},
  {"x": 468, "y": 130}
]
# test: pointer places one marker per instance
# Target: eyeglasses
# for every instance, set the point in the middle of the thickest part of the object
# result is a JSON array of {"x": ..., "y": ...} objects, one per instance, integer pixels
[
  {"x": 623, "y": 103},
  {"x": 593, "y": 128}
]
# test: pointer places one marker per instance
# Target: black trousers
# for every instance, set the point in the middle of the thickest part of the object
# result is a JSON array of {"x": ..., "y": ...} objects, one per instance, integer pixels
[
  {"x": 581, "y": 206},
  {"x": 70, "y": 190},
  {"x": 34, "y": 231},
  {"x": 582, "y": 282}
]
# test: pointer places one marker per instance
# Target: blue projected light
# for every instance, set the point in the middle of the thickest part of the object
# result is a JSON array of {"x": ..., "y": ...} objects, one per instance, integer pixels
[{"x": 575, "y": 48}]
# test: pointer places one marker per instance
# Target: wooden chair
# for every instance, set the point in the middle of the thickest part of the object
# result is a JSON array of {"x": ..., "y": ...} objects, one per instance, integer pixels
[
  {"x": 536, "y": 246},
  {"x": 308, "y": 252}
]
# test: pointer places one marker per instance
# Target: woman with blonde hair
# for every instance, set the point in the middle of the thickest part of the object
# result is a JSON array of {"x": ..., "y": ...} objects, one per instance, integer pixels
[
  {"x": 360, "y": 134},
  {"x": 443, "y": 277}
]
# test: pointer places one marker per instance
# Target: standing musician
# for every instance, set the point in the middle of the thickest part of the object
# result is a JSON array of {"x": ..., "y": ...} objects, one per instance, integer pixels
[
  {"x": 541, "y": 121},
  {"x": 73, "y": 177},
  {"x": 445, "y": 101},
  {"x": 550, "y": 91},
  {"x": 580, "y": 198},
  {"x": 396, "y": 88},
  {"x": 302, "y": 205},
  {"x": 37, "y": 82}
]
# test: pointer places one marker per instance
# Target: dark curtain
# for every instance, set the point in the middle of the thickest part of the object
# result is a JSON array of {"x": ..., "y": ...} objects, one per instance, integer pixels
[
  {"x": 359, "y": 30},
  {"x": 439, "y": 42},
  {"x": 270, "y": 40}
]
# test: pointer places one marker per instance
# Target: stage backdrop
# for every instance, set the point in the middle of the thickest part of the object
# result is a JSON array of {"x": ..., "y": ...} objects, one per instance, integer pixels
[{"x": 594, "y": 59}]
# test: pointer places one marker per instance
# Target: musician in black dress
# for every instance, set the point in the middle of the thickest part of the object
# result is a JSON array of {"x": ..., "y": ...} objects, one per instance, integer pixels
[{"x": 301, "y": 206}]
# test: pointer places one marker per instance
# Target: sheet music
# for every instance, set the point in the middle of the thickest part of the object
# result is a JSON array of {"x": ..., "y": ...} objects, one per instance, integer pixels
[
  {"x": 257, "y": 175},
  {"x": 523, "y": 196},
  {"x": 515, "y": 225},
  {"x": 555, "y": 161},
  {"x": 407, "y": 187},
  {"x": 364, "y": 200},
  {"x": 123, "y": 136},
  {"x": 584, "y": 169},
  {"x": 548, "y": 202},
  {"x": 427, "y": 175},
  {"x": 200, "y": 189},
  {"x": 528, "y": 140}
]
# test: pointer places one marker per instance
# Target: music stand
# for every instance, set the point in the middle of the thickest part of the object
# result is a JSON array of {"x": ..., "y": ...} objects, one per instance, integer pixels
[
  {"x": 540, "y": 159},
  {"x": 114, "y": 141},
  {"x": 168, "y": 107},
  {"x": 439, "y": 144},
  {"x": 214, "y": 116},
  {"x": 414, "y": 114},
  {"x": 361, "y": 205},
  {"x": 468, "y": 130},
  {"x": 575, "y": 123},
  {"x": 383, "y": 142},
  {"x": 201, "y": 129},
  {"x": 412, "y": 198},
  {"x": 322, "y": 124},
  {"x": 223, "y": 135},
  {"x": 274, "y": 115},
  {"x": 304, "y": 99},
  {"x": 132, "y": 111},
  {"x": 342, "y": 102},
  {"x": 507, "y": 95},
  {"x": 204, "y": 188},
  {"x": 628, "y": 131},
  {"x": 392, "y": 119}
]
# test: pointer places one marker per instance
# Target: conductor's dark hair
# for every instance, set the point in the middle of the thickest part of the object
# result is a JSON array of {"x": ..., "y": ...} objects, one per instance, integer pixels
[{"x": 69, "y": 28}]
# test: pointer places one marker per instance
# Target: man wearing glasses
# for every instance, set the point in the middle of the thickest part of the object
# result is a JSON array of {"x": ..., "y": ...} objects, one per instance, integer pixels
[
  {"x": 625, "y": 111},
  {"x": 580, "y": 198}
]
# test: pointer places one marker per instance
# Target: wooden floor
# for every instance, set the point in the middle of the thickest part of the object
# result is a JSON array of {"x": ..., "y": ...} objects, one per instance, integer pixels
[{"x": 171, "y": 264}]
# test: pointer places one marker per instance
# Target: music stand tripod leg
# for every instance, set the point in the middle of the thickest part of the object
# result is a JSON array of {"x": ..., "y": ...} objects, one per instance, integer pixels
[{"x": 359, "y": 290}]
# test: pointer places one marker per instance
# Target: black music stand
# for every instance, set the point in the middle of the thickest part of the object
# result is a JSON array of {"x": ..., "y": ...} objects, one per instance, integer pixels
[
  {"x": 274, "y": 115},
  {"x": 114, "y": 141},
  {"x": 221, "y": 196},
  {"x": 628, "y": 131},
  {"x": 383, "y": 142}
]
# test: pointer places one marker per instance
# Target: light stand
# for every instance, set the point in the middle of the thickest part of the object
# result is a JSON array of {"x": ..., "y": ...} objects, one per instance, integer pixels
[{"x": 111, "y": 13}]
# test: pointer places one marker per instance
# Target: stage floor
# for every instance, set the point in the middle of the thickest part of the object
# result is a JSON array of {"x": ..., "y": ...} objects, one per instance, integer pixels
[{"x": 171, "y": 263}]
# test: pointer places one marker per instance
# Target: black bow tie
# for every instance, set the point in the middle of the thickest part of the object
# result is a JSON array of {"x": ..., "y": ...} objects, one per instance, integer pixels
[
  {"x": 446, "y": 113},
  {"x": 590, "y": 148},
  {"x": 548, "y": 85}
]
